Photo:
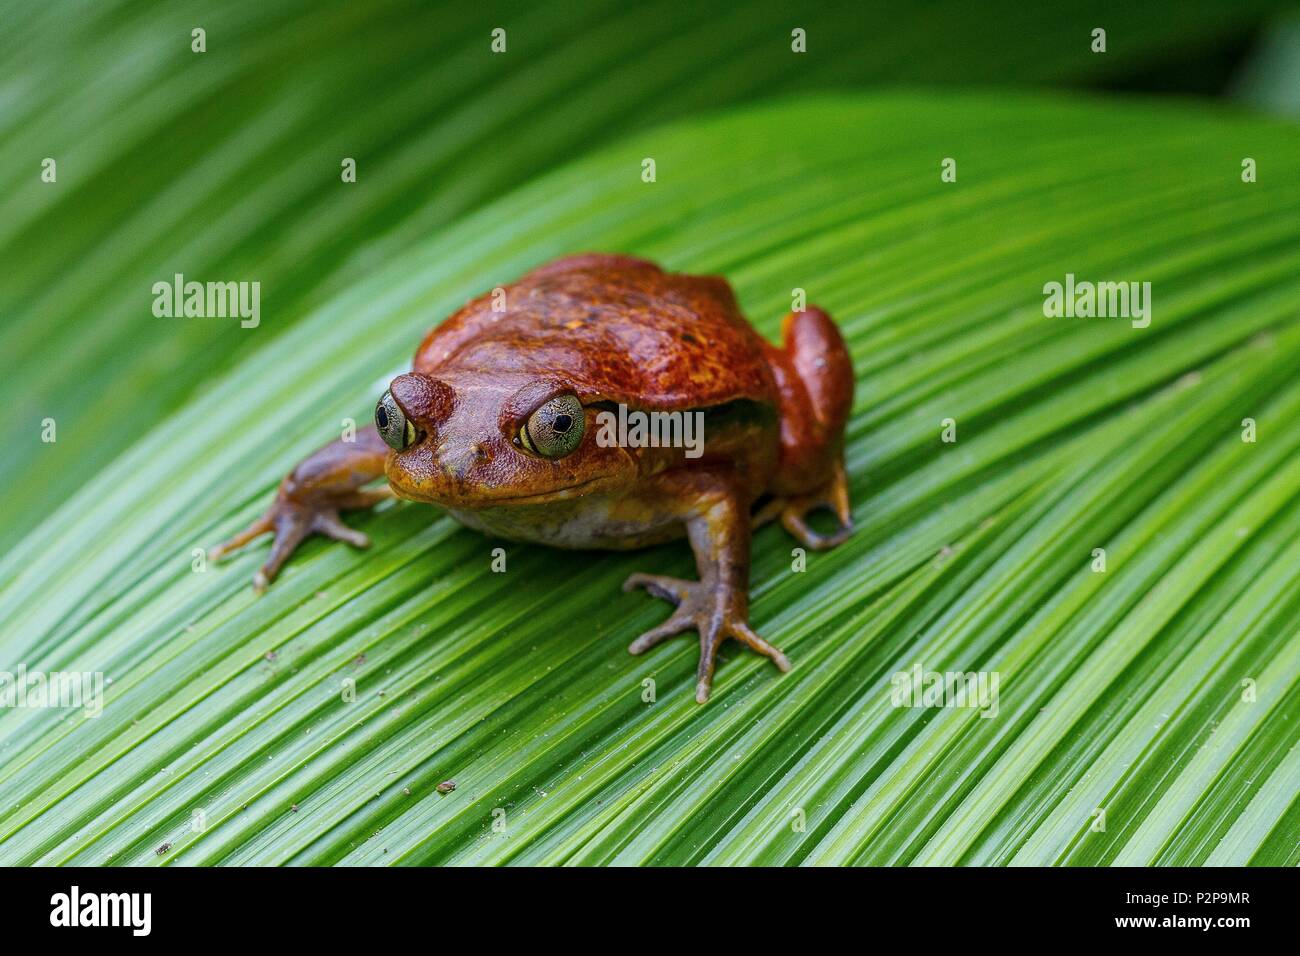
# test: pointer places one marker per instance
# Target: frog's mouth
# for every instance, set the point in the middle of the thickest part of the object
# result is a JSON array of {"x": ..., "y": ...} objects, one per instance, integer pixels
[
  {"x": 541, "y": 498},
  {"x": 486, "y": 499}
]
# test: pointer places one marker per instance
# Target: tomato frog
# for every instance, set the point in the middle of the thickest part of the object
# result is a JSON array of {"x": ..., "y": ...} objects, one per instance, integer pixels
[{"x": 497, "y": 424}]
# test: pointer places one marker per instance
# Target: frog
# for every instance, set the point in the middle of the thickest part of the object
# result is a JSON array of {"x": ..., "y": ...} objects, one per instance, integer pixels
[{"x": 497, "y": 423}]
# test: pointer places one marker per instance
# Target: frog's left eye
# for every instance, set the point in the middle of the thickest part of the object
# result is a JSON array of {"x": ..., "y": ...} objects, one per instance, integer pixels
[
  {"x": 393, "y": 426},
  {"x": 555, "y": 429}
]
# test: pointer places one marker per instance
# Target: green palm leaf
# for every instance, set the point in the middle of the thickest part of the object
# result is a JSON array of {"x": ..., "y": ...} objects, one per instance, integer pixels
[{"x": 1121, "y": 691}]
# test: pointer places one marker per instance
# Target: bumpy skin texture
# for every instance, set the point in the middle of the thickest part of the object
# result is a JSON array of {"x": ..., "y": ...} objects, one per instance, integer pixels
[{"x": 607, "y": 329}]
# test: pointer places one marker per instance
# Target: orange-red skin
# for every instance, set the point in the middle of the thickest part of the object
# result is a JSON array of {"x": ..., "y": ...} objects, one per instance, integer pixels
[{"x": 615, "y": 329}]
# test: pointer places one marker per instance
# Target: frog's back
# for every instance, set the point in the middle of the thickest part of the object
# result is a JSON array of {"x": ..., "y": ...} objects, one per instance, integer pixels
[{"x": 616, "y": 327}]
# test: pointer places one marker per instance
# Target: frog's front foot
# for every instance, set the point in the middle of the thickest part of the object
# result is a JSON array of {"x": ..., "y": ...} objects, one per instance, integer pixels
[
  {"x": 291, "y": 522},
  {"x": 310, "y": 498},
  {"x": 714, "y": 610}
]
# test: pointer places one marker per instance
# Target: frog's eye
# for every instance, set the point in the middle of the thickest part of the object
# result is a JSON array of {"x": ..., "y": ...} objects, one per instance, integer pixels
[
  {"x": 394, "y": 428},
  {"x": 555, "y": 429}
]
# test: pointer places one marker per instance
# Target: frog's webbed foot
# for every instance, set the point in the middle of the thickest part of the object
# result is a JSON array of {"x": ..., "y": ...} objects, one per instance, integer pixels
[
  {"x": 713, "y": 610},
  {"x": 310, "y": 498},
  {"x": 834, "y": 496},
  {"x": 291, "y": 523}
]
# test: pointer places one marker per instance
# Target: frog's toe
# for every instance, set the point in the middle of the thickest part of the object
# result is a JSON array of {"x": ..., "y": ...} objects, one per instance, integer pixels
[
  {"x": 794, "y": 519},
  {"x": 681, "y": 620},
  {"x": 331, "y": 525},
  {"x": 742, "y": 632},
  {"x": 834, "y": 497},
  {"x": 255, "y": 530},
  {"x": 675, "y": 591},
  {"x": 716, "y": 628},
  {"x": 661, "y": 586},
  {"x": 291, "y": 526}
]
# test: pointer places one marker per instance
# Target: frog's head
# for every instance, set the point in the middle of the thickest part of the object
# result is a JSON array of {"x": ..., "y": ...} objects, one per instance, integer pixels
[{"x": 470, "y": 440}]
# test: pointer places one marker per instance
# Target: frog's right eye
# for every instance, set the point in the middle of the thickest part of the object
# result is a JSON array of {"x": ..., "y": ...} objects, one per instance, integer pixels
[{"x": 393, "y": 426}]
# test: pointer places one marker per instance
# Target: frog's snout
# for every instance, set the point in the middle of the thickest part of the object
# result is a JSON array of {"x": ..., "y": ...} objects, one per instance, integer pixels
[
  {"x": 458, "y": 461},
  {"x": 436, "y": 461}
]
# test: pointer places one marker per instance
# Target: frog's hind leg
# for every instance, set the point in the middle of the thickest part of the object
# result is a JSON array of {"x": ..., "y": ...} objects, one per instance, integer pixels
[{"x": 815, "y": 381}]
